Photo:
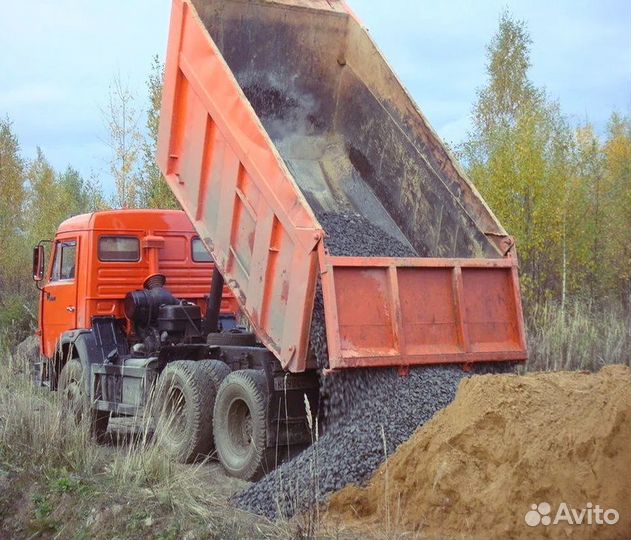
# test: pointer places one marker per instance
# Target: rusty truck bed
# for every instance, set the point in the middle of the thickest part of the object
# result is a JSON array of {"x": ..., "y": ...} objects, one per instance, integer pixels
[{"x": 277, "y": 113}]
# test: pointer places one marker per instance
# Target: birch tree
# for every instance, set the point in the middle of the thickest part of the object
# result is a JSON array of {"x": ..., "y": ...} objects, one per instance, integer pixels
[
  {"x": 155, "y": 191},
  {"x": 122, "y": 118}
]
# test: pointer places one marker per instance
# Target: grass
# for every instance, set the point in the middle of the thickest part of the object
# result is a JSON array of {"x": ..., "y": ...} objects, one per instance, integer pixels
[
  {"x": 55, "y": 482},
  {"x": 583, "y": 336}
]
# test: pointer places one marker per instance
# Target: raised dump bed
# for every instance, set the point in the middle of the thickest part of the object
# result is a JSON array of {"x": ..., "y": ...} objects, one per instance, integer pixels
[{"x": 280, "y": 120}]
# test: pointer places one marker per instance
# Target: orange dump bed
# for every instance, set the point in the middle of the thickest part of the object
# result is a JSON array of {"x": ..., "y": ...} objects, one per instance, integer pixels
[{"x": 277, "y": 114}]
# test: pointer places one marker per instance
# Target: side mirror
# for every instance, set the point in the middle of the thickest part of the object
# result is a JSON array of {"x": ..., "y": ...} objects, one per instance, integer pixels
[{"x": 38, "y": 262}]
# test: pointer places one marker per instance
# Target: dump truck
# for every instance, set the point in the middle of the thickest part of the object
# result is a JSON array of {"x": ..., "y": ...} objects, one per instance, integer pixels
[{"x": 293, "y": 149}]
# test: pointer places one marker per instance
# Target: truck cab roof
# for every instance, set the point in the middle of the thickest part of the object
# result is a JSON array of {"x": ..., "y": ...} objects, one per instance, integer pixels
[{"x": 140, "y": 219}]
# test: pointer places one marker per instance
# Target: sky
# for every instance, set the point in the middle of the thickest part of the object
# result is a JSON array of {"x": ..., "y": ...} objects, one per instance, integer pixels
[{"x": 58, "y": 58}]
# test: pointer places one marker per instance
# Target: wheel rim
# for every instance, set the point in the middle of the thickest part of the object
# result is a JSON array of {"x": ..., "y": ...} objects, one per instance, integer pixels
[{"x": 240, "y": 428}]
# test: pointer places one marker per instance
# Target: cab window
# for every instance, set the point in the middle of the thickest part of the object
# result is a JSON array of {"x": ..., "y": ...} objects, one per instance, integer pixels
[
  {"x": 64, "y": 264},
  {"x": 200, "y": 253},
  {"x": 119, "y": 249}
]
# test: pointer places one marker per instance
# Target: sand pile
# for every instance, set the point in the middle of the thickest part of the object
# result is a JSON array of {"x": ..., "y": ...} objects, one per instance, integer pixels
[{"x": 505, "y": 443}]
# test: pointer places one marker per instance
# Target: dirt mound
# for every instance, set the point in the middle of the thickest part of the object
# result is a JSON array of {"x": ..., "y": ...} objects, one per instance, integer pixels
[{"x": 506, "y": 443}]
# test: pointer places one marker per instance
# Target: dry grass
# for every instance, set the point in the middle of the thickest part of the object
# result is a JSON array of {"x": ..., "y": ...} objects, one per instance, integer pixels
[
  {"x": 56, "y": 482},
  {"x": 581, "y": 337}
]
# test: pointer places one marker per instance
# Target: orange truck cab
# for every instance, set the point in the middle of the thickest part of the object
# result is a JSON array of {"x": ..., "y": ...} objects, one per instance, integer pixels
[
  {"x": 126, "y": 286},
  {"x": 98, "y": 258}
]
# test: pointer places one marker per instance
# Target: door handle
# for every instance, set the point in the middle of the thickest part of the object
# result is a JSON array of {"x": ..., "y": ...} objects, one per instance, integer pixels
[{"x": 71, "y": 309}]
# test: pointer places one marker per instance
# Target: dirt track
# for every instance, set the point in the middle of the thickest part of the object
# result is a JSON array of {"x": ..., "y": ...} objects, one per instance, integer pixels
[{"x": 505, "y": 443}]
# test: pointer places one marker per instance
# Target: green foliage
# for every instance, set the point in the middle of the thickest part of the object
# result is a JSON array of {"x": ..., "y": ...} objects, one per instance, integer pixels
[
  {"x": 137, "y": 177},
  {"x": 81, "y": 195},
  {"x": 17, "y": 316},
  {"x": 42, "y": 507},
  {"x": 617, "y": 187},
  {"x": 563, "y": 194},
  {"x": 12, "y": 196},
  {"x": 45, "y": 206},
  {"x": 154, "y": 191},
  {"x": 34, "y": 200},
  {"x": 509, "y": 89},
  {"x": 14, "y": 258}
]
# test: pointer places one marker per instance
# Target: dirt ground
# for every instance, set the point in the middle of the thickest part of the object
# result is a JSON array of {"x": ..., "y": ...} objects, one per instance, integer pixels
[
  {"x": 211, "y": 473},
  {"x": 507, "y": 442}
]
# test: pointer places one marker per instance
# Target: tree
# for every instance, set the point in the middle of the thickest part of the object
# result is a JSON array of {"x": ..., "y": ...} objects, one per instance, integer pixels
[
  {"x": 617, "y": 189},
  {"x": 518, "y": 155},
  {"x": 11, "y": 182},
  {"x": 589, "y": 175},
  {"x": 125, "y": 141},
  {"x": 155, "y": 191},
  {"x": 81, "y": 195},
  {"x": 53, "y": 197},
  {"x": 46, "y": 206},
  {"x": 12, "y": 196},
  {"x": 501, "y": 102}
]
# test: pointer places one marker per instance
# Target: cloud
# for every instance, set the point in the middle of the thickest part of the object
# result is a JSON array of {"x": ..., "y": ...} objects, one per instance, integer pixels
[{"x": 31, "y": 94}]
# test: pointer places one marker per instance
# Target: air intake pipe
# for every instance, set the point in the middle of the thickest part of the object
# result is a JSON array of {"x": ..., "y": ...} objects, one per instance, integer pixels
[{"x": 141, "y": 307}]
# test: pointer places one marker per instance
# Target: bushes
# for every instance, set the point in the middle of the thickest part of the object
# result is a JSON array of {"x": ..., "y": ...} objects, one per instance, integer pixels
[
  {"x": 18, "y": 319},
  {"x": 582, "y": 336}
]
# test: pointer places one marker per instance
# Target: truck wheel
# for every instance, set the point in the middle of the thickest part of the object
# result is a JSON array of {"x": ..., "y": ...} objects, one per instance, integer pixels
[
  {"x": 216, "y": 371},
  {"x": 243, "y": 339},
  {"x": 183, "y": 411},
  {"x": 240, "y": 424},
  {"x": 73, "y": 391}
]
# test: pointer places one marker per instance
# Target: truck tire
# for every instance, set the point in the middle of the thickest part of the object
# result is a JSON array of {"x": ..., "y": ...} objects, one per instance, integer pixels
[
  {"x": 182, "y": 411},
  {"x": 240, "y": 424},
  {"x": 216, "y": 371},
  {"x": 243, "y": 339},
  {"x": 72, "y": 388}
]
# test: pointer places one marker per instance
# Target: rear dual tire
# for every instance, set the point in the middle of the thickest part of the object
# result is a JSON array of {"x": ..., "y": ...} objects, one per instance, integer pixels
[
  {"x": 240, "y": 425},
  {"x": 183, "y": 406},
  {"x": 203, "y": 408}
]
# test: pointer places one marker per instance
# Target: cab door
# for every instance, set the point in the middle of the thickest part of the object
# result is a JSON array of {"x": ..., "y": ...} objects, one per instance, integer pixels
[{"x": 59, "y": 296}]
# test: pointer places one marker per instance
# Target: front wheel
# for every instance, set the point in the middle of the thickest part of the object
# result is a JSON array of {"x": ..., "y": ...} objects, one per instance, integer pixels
[{"x": 73, "y": 388}]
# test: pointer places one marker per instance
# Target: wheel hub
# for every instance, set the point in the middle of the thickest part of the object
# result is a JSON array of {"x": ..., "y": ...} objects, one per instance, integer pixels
[{"x": 240, "y": 426}]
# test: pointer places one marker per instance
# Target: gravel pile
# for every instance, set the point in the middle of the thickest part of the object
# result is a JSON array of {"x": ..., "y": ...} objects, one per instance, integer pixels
[
  {"x": 353, "y": 235},
  {"x": 367, "y": 413},
  {"x": 370, "y": 412}
]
